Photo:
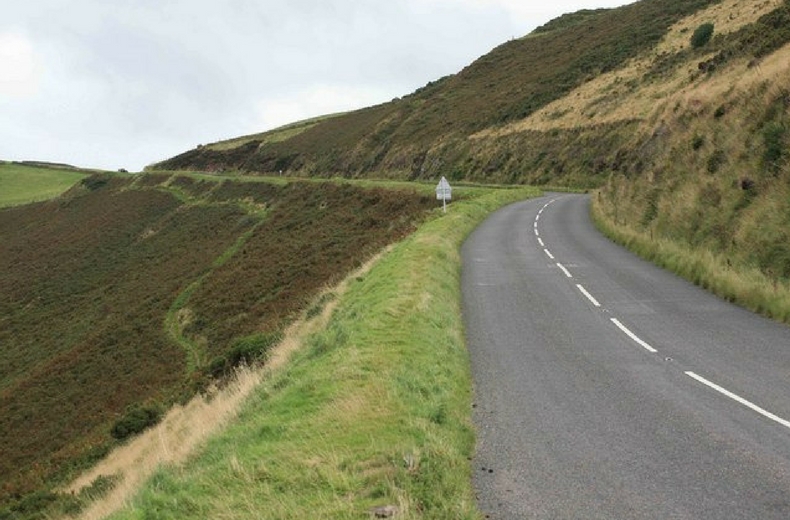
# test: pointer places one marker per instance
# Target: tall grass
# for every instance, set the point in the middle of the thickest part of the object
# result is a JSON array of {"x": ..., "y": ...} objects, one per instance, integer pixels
[
  {"x": 373, "y": 410},
  {"x": 735, "y": 282}
]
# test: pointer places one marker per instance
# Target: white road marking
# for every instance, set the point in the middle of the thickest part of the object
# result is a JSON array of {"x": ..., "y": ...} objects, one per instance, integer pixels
[
  {"x": 537, "y": 218},
  {"x": 588, "y": 295},
  {"x": 740, "y": 400},
  {"x": 540, "y": 241},
  {"x": 548, "y": 253},
  {"x": 633, "y": 336},
  {"x": 562, "y": 267},
  {"x": 537, "y": 233}
]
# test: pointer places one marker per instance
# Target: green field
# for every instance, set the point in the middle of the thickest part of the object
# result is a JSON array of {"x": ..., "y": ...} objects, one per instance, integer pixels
[{"x": 21, "y": 184}]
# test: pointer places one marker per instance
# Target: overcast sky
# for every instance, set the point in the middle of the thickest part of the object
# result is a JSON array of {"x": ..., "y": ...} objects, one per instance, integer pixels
[{"x": 123, "y": 83}]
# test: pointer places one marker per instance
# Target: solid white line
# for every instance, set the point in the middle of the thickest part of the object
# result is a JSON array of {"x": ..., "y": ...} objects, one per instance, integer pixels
[
  {"x": 633, "y": 336},
  {"x": 567, "y": 273},
  {"x": 588, "y": 295},
  {"x": 540, "y": 241},
  {"x": 548, "y": 253},
  {"x": 740, "y": 399}
]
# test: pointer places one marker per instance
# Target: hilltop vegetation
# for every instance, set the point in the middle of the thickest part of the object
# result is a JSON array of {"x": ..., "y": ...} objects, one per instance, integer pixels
[{"x": 130, "y": 293}]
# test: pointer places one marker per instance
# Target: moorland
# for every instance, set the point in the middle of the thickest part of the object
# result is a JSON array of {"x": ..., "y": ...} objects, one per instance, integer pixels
[{"x": 128, "y": 294}]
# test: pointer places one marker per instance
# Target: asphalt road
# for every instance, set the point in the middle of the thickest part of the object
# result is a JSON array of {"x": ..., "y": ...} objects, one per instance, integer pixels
[{"x": 608, "y": 388}]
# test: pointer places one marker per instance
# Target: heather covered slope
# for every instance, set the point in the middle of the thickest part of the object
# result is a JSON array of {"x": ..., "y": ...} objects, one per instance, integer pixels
[
  {"x": 688, "y": 145},
  {"x": 426, "y": 134},
  {"x": 130, "y": 293}
]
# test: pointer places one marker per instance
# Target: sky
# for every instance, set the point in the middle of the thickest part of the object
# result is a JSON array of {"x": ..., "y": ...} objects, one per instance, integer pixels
[{"x": 126, "y": 83}]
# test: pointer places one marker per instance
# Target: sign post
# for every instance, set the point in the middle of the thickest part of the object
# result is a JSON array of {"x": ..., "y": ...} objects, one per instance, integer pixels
[{"x": 444, "y": 192}]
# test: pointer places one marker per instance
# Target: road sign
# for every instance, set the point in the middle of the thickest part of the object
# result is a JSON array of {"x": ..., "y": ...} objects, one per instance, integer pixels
[{"x": 444, "y": 192}]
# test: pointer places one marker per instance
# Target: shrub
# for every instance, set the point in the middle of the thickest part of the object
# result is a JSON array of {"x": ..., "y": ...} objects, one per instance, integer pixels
[
  {"x": 135, "y": 421},
  {"x": 774, "y": 138},
  {"x": 702, "y": 35},
  {"x": 715, "y": 161},
  {"x": 245, "y": 350},
  {"x": 94, "y": 182}
]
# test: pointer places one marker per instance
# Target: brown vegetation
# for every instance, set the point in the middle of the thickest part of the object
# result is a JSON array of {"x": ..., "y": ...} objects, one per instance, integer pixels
[{"x": 88, "y": 281}]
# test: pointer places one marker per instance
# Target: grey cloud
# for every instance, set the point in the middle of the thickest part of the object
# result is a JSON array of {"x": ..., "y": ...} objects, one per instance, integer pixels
[{"x": 130, "y": 82}]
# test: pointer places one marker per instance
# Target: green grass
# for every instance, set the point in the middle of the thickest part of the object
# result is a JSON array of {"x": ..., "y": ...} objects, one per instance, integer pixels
[
  {"x": 373, "y": 410},
  {"x": 20, "y": 184}
]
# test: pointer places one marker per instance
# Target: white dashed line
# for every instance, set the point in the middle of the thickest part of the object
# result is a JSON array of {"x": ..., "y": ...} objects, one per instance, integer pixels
[
  {"x": 562, "y": 267},
  {"x": 646, "y": 346},
  {"x": 633, "y": 336},
  {"x": 588, "y": 295},
  {"x": 740, "y": 400}
]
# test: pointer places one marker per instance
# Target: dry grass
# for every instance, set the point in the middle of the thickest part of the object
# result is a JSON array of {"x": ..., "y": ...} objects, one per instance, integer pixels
[
  {"x": 183, "y": 430},
  {"x": 611, "y": 97},
  {"x": 186, "y": 428}
]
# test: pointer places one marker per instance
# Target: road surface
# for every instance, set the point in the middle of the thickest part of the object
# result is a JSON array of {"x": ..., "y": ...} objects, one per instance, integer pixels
[{"x": 608, "y": 388}]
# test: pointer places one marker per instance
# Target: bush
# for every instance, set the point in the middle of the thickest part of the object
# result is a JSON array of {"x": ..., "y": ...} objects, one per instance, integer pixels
[
  {"x": 774, "y": 137},
  {"x": 702, "y": 35},
  {"x": 716, "y": 160},
  {"x": 245, "y": 350},
  {"x": 135, "y": 421},
  {"x": 94, "y": 182}
]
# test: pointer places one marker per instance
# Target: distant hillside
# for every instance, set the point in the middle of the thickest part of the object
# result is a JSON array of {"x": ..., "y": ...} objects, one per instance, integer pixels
[
  {"x": 130, "y": 293},
  {"x": 427, "y": 134}
]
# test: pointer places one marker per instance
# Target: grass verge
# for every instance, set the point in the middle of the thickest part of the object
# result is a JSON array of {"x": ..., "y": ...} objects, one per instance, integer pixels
[
  {"x": 373, "y": 410},
  {"x": 742, "y": 285}
]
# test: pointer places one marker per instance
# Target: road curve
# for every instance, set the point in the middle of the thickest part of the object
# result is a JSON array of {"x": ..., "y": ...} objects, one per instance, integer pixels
[{"x": 608, "y": 388}]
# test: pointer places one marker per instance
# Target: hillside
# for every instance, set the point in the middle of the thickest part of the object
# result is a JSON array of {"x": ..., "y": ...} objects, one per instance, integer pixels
[
  {"x": 426, "y": 134},
  {"x": 604, "y": 98},
  {"x": 154, "y": 286},
  {"x": 130, "y": 293}
]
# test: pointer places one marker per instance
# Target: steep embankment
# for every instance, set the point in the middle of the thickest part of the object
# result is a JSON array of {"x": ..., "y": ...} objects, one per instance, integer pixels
[
  {"x": 130, "y": 293},
  {"x": 692, "y": 142},
  {"x": 707, "y": 192}
]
